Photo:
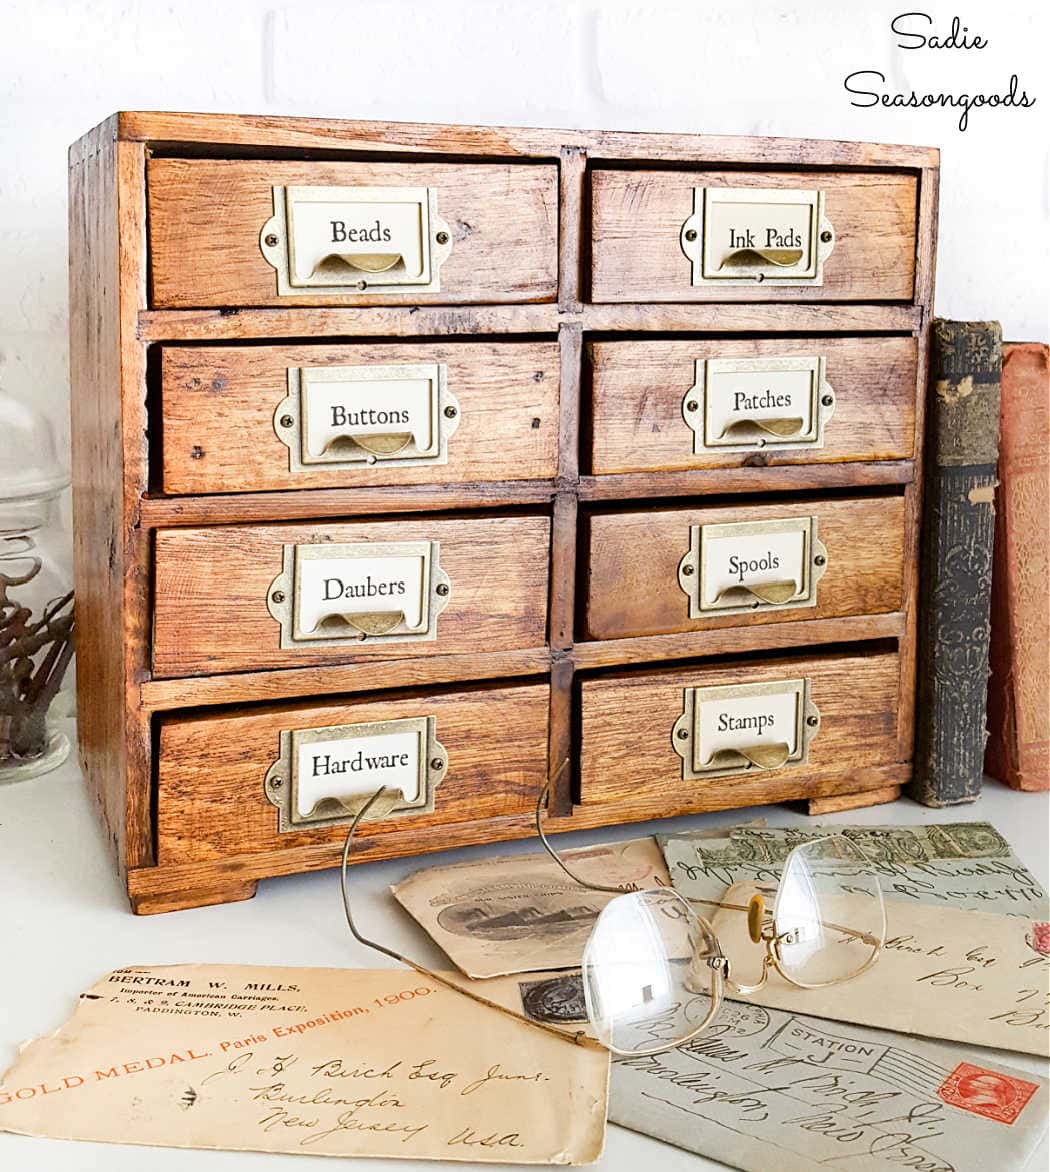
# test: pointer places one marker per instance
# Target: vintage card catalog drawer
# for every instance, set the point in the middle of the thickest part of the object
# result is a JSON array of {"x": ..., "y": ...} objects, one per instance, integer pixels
[
  {"x": 233, "y": 232},
  {"x": 752, "y": 235},
  {"x": 675, "y": 733},
  {"x": 252, "y": 418},
  {"x": 272, "y": 778},
  {"x": 657, "y": 572},
  {"x": 668, "y": 405},
  {"x": 253, "y": 597}
]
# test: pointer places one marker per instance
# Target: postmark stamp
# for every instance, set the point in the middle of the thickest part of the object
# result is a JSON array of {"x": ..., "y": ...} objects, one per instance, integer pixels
[{"x": 997, "y": 1096}]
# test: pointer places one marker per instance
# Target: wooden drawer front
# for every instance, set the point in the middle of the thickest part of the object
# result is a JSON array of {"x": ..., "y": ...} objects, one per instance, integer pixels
[
  {"x": 206, "y": 217},
  {"x": 221, "y": 416},
  {"x": 213, "y": 591},
  {"x": 642, "y": 393},
  {"x": 638, "y": 220},
  {"x": 628, "y": 721},
  {"x": 633, "y": 585},
  {"x": 211, "y": 802}
]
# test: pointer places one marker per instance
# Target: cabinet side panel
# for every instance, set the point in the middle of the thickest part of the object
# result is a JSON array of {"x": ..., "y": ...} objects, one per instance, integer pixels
[{"x": 102, "y": 504}]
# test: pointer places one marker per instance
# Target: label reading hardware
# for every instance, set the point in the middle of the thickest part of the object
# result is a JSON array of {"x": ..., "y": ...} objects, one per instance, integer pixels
[
  {"x": 744, "y": 727},
  {"x": 745, "y": 566},
  {"x": 324, "y": 776},
  {"x": 353, "y": 239},
  {"x": 356, "y": 416},
  {"x": 745, "y": 404},
  {"x": 376, "y": 591},
  {"x": 757, "y": 234}
]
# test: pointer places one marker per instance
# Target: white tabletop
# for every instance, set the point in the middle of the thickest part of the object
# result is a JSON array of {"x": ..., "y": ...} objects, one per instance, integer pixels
[{"x": 65, "y": 922}]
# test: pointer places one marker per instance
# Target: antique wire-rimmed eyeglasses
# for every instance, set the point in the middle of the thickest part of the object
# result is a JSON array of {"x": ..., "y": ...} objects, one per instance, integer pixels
[{"x": 654, "y": 971}]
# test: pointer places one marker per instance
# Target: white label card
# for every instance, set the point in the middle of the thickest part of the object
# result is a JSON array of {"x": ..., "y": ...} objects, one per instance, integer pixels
[
  {"x": 357, "y": 766},
  {"x": 340, "y": 238},
  {"x": 336, "y": 410},
  {"x": 774, "y": 236},
  {"x": 757, "y": 559},
  {"x": 332, "y": 588},
  {"x": 740, "y": 396},
  {"x": 745, "y": 722}
]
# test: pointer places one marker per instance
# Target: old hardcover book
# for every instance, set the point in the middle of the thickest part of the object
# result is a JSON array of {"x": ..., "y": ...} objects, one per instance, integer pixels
[
  {"x": 1018, "y": 750},
  {"x": 958, "y": 526}
]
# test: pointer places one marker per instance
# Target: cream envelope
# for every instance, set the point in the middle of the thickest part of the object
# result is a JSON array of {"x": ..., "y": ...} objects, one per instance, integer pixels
[
  {"x": 312, "y": 1061},
  {"x": 943, "y": 973},
  {"x": 765, "y": 1088},
  {"x": 518, "y": 913}
]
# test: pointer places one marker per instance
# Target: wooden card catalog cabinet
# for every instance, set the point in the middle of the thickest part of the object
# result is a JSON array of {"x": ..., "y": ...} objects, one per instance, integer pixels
[{"x": 459, "y": 461}]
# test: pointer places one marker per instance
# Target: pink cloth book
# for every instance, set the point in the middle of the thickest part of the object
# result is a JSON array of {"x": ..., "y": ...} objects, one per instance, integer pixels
[{"x": 1018, "y": 749}]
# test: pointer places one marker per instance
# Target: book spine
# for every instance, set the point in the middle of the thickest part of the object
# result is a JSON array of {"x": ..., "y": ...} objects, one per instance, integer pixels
[
  {"x": 956, "y": 561},
  {"x": 1018, "y": 751}
]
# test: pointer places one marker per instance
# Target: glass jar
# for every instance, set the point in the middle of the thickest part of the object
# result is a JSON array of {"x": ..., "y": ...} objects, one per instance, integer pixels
[{"x": 36, "y": 597}]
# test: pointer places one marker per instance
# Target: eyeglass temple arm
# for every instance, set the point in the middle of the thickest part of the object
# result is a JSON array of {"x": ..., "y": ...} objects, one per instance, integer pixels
[
  {"x": 622, "y": 889},
  {"x": 579, "y": 1037},
  {"x": 739, "y": 907}
]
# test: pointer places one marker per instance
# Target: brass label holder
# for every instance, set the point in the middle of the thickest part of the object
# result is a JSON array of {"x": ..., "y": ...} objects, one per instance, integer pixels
[
  {"x": 751, "y": 404},
  {"x": 746, "y": 566},
  {"x": 752, "y": 234},
  {"x": 741, "y": 729},
  {"x": 323, "y": 776},
  {"x": 373, "y": 591},
  {"x": 359, "y": 416},
  {"x": 351, "y": 240}
]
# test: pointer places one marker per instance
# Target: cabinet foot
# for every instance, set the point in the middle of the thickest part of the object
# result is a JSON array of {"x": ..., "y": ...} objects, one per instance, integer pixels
[
  {"x": 152, "y": 903},
  {"x": 817, "y": 807}
]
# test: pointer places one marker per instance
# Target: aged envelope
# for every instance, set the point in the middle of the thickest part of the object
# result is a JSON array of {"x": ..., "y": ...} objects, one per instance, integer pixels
[
  {"x": 964, "y": 864},
  {"x": 313, "y": 1061},
  {"x": 520, "y": 913},
  {"x": 764, "y": 1088},
  {"x": 944, "y": 972}
]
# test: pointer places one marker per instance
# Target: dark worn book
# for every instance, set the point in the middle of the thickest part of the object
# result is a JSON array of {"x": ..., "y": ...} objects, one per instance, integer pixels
[{"x": 962, "y": 432}]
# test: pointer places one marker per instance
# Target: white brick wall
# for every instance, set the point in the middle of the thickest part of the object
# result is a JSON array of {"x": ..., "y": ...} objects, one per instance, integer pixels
[{"x": 716, "y": 66}]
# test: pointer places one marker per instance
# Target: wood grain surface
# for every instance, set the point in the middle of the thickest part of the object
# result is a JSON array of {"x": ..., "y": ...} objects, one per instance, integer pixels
[
  {"x": 211, "y": 589},
  {"x": 627, "y": 721},
  {"x": 210, "y": 798},
  {"x": 218, "y": 405},
  {"x": 632, "y": 565},
  {"x": 464, "y": 321},
  {"x": 165, "y": 129},
  {"x": 637, "y": 389},
  {"x": 206, "y": 216},
  {"x": 638, "y": 216}
]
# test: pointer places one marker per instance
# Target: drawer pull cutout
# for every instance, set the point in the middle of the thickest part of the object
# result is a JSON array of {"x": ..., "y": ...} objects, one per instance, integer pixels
[
  {"x": 744, "y": 566},
  {"x": 747, "y": 404},
  {"x": 740, "y": 728},
  {"x": 337, "y": 239},
  {"x": 359, "y": 416},
  {"x": 323, "y": 776},
  {"x": 740, "y": 234},
  {"x": 380, "y": 591}
]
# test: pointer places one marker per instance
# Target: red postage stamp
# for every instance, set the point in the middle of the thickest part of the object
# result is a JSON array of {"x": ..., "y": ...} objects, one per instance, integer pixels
[
  {"x": 1040, "y": 938},
  {"x": 986, "y": 1092}
]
